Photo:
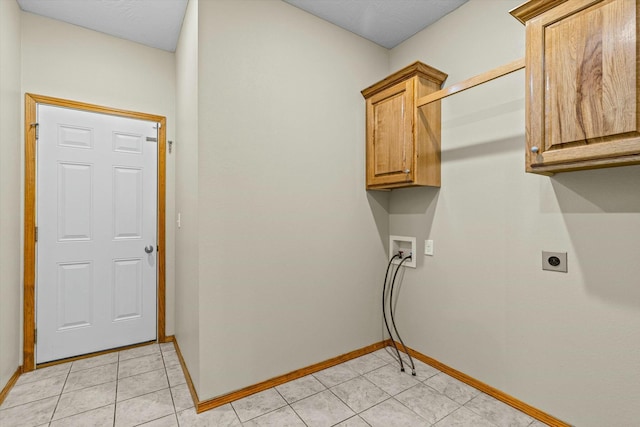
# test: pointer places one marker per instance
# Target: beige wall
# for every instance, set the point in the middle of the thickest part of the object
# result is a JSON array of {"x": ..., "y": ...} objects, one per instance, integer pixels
[
  {"x": 188, "y": 235},
  {"x": 290, "y": 250},
  {"x": 565, "y": 343},
  {"x": 66, "y": 61},
  {"x": 10, "y": 160}
]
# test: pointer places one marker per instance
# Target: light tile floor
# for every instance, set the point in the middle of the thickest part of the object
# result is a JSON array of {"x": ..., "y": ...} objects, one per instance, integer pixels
[{"x": 145, "y": 386}]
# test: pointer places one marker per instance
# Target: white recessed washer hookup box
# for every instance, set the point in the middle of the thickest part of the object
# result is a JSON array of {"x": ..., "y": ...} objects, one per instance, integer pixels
[{"x": 406, "y": 245}]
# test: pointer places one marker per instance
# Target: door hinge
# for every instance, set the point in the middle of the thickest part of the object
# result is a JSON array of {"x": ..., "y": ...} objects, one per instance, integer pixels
[
  {"x": 35, "y": 336},
  {"x": 37, "y": 126},
  {"x": 36, "y": 234}
]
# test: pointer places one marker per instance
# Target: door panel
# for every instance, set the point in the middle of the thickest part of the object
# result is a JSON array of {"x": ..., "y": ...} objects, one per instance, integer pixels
[
  {"x": 388, "y": 116},
  {"x": 127, "y": 289},
  {"x": 127, "y": 207},
  {"x": 125, "y": 143},
  {"x": 75, "y": 292},
  {"x": 75, "y": 137},
  {"x": 75, "y": 211},
  {"x": 390, "y": 135},
  {"x": 96, "y": 213}
]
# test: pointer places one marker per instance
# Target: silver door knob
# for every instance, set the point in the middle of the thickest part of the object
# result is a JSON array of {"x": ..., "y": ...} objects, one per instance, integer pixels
[
  {"x": 407, "y": 171},
  {"x": 534, "y": 149},
  {"x": 148, "y": 249}
]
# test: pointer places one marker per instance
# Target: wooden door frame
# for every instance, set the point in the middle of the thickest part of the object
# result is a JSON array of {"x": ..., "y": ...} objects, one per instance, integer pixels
[{"x": 29, "y": 319}]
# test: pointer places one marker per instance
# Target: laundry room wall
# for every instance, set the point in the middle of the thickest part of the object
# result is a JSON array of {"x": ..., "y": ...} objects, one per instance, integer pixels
[
  {"x": 566, "y": 343},
  {"x": 10, "y": 198},
  {"x": 187, "y": 167},
  {"x": 292, "y": 247}
]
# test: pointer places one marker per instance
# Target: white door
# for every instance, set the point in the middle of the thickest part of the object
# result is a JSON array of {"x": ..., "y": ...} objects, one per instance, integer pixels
[{"x": 96, "y": 219}]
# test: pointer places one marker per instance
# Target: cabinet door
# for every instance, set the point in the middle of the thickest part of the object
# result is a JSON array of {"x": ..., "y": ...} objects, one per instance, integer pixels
[
  {"x": 390, "y": 139},
  {"x": 582, "y": 71}
]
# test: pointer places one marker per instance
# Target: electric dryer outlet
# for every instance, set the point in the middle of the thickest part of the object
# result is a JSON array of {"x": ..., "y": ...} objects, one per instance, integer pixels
[{"x": 554, "y": 261}]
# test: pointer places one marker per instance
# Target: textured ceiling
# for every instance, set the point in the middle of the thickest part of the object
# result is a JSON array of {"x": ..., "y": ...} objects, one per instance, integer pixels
[
  {"x": 154, "y": 23},
  {"x": 157, "y": 23},
  {"x": 385, "y": 22}
]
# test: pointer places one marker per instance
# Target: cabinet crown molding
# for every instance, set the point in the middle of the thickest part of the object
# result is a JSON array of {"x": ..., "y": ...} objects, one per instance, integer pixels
[
  {"x": 533, "y": 8},
  {"x": 416, "y": 69}
]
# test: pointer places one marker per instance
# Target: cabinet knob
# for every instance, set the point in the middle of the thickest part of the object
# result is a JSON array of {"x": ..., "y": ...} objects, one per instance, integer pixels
[
  {"x": 534, "y": 149},
  {"x": 407, "y": 171}
]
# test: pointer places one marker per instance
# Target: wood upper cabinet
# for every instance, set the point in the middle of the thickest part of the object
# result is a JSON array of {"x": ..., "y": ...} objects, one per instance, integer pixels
[
  {"x": 403, "y": 142},
  {"x": 583, "y": 79}
]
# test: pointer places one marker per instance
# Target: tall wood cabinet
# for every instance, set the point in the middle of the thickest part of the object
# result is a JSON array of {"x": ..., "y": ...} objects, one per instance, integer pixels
[
  {"x": 583, "y": 80},
  {"x": 403, "y": 142}
]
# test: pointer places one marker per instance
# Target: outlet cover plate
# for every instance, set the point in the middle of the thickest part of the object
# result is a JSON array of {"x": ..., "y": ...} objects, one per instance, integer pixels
[{"x": 554, "y": 261}]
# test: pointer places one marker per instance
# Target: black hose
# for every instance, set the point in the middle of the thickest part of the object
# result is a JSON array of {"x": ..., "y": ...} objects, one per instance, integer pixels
[
  {"x": 393, "y": 321},
  {"x": 384, "y": 314}
]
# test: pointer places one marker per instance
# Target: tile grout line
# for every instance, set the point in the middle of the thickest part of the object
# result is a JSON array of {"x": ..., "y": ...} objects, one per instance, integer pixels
[
  {"x": 391, "y": 396},
  {"x": 297, "y": 415},
  {"x": 479, "y": 414},
  {"x": 79, "y": 413},
  {"x": 442, "y": 394},
  {"x": 173, "y": 401},
  {"x": 345, "y": 403},
  {"x": 115, "y": 399},
  {"x": 457, "y": 409},
  {"x": 289, "y": 405},
  {"x": 175, "y": 411},
  {"x": 80, "y": 389},
  {"x": 306, "y": 397},
  {"x": 342, "y": 400},
  {"x": 234, "y": 411},
  {"x": 60, "y": 395},
  {"x": 420, "y": 416},
  {"x": 151, "y": 392},
  {"x": 356, "y": 414}
]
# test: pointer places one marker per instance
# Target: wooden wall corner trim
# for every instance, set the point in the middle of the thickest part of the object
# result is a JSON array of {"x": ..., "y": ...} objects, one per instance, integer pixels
[
  {"x": 206, "y": 405},
  {"x": 230, "y": 397},
  {"x": 185, "y": 370},
  {"x": 491, "y": 391},
  {"x": 12, "y": 381},
  {"x": 264, "y": 385}
]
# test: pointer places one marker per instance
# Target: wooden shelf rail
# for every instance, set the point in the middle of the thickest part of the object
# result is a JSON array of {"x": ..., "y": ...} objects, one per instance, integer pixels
[{"x": 502, "y": 70}]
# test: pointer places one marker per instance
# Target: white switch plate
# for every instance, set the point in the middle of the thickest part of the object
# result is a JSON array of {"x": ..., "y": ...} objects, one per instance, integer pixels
[{"x": 428, "y": 247}]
